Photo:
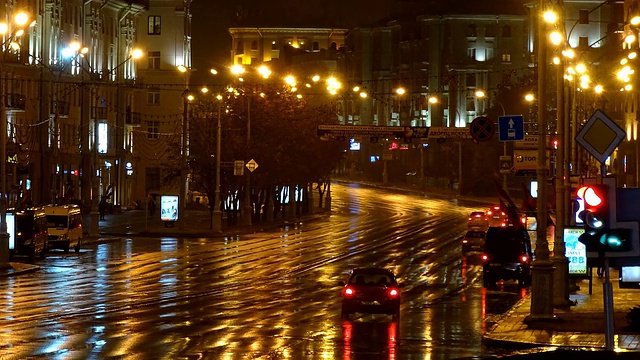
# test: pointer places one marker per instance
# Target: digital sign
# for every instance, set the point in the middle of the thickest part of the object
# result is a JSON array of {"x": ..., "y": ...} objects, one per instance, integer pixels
[
  {"x": 575, "y": 251},
  {"x": 169, "y": 207}
]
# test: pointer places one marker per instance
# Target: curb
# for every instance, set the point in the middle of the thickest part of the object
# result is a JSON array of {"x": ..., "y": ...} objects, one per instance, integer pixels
[{"x": 18, "y": 269}]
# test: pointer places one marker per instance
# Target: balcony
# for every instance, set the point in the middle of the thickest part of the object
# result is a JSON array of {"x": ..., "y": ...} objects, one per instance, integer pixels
[
  {"x": 15, "y": 102},
  {"x": 60, "y": 108},
  {"x": 99, "y": 113},
  {"x": 133, "y": 118}
]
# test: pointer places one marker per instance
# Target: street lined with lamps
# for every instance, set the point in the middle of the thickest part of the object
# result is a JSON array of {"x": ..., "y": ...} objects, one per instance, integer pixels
[{"x": 19, "y": 23}]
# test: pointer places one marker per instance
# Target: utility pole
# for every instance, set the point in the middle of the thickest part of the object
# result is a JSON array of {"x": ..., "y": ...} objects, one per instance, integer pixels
[
  {"x": 217, "y": 211},
  {"x": 560, "y": 261},
  {"x": 248, "y": 208},
  {"x": 542, "y": 267}
]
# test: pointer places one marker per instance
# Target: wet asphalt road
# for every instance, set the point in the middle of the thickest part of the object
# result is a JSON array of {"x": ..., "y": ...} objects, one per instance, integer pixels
[{"x": 265, "y": 296}]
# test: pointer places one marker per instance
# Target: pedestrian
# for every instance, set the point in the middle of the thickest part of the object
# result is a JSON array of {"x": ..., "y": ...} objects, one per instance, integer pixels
[
  {"x": 152, "y": 207},
  {"x": 102, "y": 208}
]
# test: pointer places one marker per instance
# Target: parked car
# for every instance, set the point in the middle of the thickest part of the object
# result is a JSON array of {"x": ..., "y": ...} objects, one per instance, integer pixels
[
  {"x": 473, "y": 240},
  {"x": 507, "y": 256},
  {"x": 478, "y": 219},
  {"x": 27, "y": 229},
  {"x": 371, "y": 290},
  {"x": 65, "y": 227}
]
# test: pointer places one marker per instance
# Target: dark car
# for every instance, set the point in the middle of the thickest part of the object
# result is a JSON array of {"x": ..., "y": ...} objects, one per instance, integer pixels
[
  {"x": 473, "y": 240},
  {"x": 507, "y": 256},
  {"x": 371, "y": 290},
  {"x": 28, "y": 234}
]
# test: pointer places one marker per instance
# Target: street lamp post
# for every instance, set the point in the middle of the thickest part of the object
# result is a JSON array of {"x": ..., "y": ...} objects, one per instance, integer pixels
[
  {"x": 217, "y": 211},
  {"x": 248, "y": 208},
  {"x": 20, "y": 20},
  {"x": 186, "y": 97},
  {"x": 542, "y": 267}
]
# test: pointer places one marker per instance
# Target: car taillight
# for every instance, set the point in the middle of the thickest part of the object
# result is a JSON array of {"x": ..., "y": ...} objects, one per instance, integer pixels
[
  {"x": 524, "y": 258},
  {"x": 464, "y": 241},
  {"x": 393, "y": 293},
  {"x": 485, "y": 257},
  {"x": 348, "y": 291}
]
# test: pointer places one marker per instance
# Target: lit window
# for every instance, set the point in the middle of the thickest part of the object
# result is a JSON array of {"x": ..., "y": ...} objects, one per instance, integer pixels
[
  {"x": 154, "y": 25},
  {"x": 153, "y": 129}
]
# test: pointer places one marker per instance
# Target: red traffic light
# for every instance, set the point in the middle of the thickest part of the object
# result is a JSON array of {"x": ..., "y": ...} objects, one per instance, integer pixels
[{"x": 591, "y": 195}]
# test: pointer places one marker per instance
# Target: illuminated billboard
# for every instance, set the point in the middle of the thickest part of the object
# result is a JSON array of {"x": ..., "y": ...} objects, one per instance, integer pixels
[{"x": 169, "y": 207}]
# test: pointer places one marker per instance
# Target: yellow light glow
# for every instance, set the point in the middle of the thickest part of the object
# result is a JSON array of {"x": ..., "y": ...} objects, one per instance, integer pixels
[
  {"x": 190, "y": 97},
  {"x": 237, "y": 69},
  {"x": 204, "y": 90},
  {"x": 356, "y": 88},
  {"x": 332, "y": 91},
  {"x": 294, "y": 89},
  {"x": 21, "y": 18},
  {"x": 581, "y": 68},
  {"x": 632, "y": 55},
  {"x": 3, "y": 28},
  {"x": 263, "y": 95},
  {"x": 136, "y": 53},
  {"x": 584, "y": 85},
  {"x": 635, "y": 20},
  {"x": 400, "y": 91},
  {"x": 363, "y": 94},
  {"x": 84, "y": 50},
  {"x": 480, "y": 94},
  {"x": 556, "y": 60},
  {"x": 307, "y": 85},
  {"x": 598, "y": 89},
  {"x": 629, "y": 39},
  {"x": 315, "y": 78},
  {"x": 624, "y": 61},
  {"x": 550, "y": 17},
  {"x": 14, "y": 46},
  {"x": 334, "y": 83},
  {"x": 628, "y": 87},
  {"x": 19, "y": 33},
  {"x": 433, "y": 100},
  {"x": 290, "y": 80},
  {"x": 529, "y": 97},
  {"x": 74, "y": 45},
  {"x": 569, "y": 77},
  {"x": 571, "y": 70},
  {"x": 299, "y": 96},
  {"x": 219, "y": 97},
  {"x": 569, "y": 53},
  {"x": 555, "y": 37},
  {"x": 213, "y": 71},
  {"x": 182, "y": 68},
  {"x": 264, "y": 71}
]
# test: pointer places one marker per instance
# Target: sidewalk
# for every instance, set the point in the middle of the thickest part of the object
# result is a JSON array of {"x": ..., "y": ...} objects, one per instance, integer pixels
[{"x": 582, "y": 325}]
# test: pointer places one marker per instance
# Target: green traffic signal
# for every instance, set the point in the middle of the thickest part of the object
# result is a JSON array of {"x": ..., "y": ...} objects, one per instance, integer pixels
[{"x": 607, "y": 240}]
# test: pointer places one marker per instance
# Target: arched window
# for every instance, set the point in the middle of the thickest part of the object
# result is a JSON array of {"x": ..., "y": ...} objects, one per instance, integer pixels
[
  {"x": 254, "y": 45},
  {"x": 316, "y": 46}
]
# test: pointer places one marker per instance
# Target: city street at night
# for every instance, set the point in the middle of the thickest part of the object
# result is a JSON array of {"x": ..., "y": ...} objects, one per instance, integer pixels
[{"x": 266, "y": 295}]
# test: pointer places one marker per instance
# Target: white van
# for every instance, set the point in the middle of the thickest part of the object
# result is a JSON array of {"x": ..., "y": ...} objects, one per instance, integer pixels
[{"x": 65, "y": 226}]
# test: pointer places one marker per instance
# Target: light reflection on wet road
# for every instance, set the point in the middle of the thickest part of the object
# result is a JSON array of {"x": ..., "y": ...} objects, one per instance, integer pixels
[{"x": 268, "y": 295}]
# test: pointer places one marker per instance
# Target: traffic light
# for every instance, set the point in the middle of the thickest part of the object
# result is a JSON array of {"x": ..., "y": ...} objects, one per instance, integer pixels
[
  {"x": 597, "y": 203},
  {"x": 597, "y": 219}
]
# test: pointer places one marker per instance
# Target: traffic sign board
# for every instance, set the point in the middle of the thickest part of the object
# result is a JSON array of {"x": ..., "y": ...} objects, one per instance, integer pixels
[
  {"x": 405, "y": 132},
  {"x": 252, "y": 165},
  {"x": 481, "y": 128},
  {"x": 238, "y": 167},
  {"x": 449, "y": 133},
  {"x": 511, "y": 128},
  {"x": 600, "y": 136},
  {"x": 506, "y": 164}
]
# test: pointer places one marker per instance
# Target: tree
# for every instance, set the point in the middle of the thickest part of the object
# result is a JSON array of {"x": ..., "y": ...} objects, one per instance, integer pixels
[{"x": 283, "y": 142}]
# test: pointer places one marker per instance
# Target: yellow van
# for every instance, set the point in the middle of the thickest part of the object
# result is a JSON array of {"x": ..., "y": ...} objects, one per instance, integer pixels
[{"x": 65, "y": 226}]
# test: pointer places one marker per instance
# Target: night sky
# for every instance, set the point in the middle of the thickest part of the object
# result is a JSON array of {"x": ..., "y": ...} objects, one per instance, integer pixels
[{"x": 211, "y": 42}]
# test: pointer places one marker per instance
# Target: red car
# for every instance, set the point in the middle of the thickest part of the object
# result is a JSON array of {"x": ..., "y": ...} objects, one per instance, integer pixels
[{"x": 371, "y": 290}]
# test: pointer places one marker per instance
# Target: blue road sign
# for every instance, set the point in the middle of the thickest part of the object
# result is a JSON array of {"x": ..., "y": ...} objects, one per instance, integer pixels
[{"x": 511, "y": 128}]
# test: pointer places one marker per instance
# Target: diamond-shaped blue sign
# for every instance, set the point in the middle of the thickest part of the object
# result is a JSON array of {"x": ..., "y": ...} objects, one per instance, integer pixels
[{"x": 511, "y": 128}]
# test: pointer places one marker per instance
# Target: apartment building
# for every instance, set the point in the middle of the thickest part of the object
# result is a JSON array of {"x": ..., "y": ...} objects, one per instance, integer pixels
[{"x": 76, "y": 104}]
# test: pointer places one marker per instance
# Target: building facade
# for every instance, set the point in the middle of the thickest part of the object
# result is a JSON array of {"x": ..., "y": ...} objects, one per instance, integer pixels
[{"x": 75, "y": 99}]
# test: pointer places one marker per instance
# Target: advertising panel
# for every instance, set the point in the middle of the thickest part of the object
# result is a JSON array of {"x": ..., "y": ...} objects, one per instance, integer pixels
[
  {"x": 575, "y": 251},
  {"x": 169, "y": 207},
  {"x": 11, "y": 230}
]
